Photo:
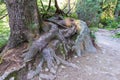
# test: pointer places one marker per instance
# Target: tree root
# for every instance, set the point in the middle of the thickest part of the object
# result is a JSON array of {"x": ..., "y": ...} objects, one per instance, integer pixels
[
  {"x": 52, "y": 59},
  {"x": 41, "y": 43},
  {"x": 58, "y": 40},
  {"x": 49, "y": 43}
]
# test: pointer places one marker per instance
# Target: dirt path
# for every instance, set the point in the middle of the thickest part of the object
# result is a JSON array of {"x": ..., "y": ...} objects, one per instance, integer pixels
[{"x": 100, "y": 66}]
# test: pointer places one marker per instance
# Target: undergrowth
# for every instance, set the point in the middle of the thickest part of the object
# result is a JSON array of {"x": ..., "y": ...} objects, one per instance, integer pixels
[
  {"x": 117, "y": 35},
  {"x": 4, "y": 32}
]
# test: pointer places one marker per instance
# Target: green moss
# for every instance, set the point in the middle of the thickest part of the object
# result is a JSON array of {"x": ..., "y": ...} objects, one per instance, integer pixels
[{"x": 14, "y": 74}]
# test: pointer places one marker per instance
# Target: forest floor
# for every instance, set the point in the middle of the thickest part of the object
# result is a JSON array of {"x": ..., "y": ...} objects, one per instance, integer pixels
[{"x": 104, "y": 65}]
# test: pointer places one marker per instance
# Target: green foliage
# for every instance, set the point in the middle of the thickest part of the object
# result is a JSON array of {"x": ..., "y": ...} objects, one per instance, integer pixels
[
  {"x": 92, "y": 34},
  {"x": 73, "y": 15},
  {"x": 4, "y": 28},
  {"x": 108, "y": 17},
  {"x": 1, "y": 1},
  {"x": 117, "y": 35},
  {"x": 118, "y": 6},
  {"x": 89, "y": 11},
  {"x": 43, "y": 8},
  {"x": 94, "y": 29},
  {"x": 108, "y": 10},
  {"x": 99, "y": 13},
  {"x": 112, "y": 24},
  {"x": 2, "y": 9},
  {"x": 4, "y": 33}
]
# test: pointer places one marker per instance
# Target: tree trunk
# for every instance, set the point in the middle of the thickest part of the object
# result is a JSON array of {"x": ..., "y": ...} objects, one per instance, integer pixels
[{"x": 23, "y": 19}]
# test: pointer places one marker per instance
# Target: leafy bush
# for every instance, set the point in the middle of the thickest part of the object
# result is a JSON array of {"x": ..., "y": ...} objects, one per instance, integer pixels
[
  {"x": 4, "y": 28},
  {"x": 112, "y": 24},
  {"x": 74, "y": 15},
  {"x": 108, "y": 10},
  {"x": 89, "y": 11},
  {"x": 4, "y": 32},
  {"x": 117, "y": 35}
]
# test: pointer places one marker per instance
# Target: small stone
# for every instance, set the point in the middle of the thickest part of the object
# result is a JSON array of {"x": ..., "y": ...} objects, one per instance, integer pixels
[
  {"x": 78, "y": 61},
  {"x": 110, "y": 68},
  {"x": 65, "y": 76},
  {"x": 40, "y": 78},
  {"x": 56, "y": 67},
  {"x": 75, "y": 56},
  {"x": 46, "y": 69},
  {"x": 60, "y": 70},
  {"x": 63, "y": 67},
  {"x": 87, "y": 58},
  {"x": 47, "y": 77},
  {"x": 96, "y": 56},
  {"x": 52, "y": 70},
  {"x": 89, "y": 74},
  {"x": 31, "y": 74},
  {"x": 12, "y": 78},
  {"x": 100, "y": 61}
]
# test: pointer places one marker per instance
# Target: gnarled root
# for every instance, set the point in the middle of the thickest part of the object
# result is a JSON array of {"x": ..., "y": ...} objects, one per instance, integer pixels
[
  {"x": 52, "y": 59},
  {"x": 41, "y": 43},
  {"x": 49, "y": 43}
]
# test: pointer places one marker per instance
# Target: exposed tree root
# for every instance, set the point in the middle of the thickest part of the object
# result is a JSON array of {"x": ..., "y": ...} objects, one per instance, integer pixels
[
  {"x": 49, "y": 43},
  {"x": 52, "y": 59},
  {"x": 60, "y": 39}
]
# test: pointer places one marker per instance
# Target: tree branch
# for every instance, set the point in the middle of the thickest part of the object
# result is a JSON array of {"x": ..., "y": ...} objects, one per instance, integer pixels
[
  {"x": 42, "y": 5},
  {"x": 3, "y": 16},
  {"x": 49, "y": 5}
]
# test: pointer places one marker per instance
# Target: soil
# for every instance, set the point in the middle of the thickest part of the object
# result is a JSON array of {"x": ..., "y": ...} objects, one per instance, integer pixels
[{"x": 104, "y": 65}]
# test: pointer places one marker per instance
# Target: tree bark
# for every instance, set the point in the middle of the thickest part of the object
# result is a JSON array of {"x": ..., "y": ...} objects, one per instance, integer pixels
[{"x": 23, "y": 19}]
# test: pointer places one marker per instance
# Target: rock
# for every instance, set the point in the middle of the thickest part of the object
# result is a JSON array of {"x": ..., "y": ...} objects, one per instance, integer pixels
[
  {"x": 31, "y": 74},
  {"x": 78, "y": 61},
  {"x": 87, "y": 58},
  {"x": 53, "y": 71},
  {"x": 12, "y": 78},
  {"x": 60, "y": 70},
  {"x": 63, "y": 67},
  {"x": 65, "y": 76},
  {"x": 47, "y": 77},
  {"x": 46, "y": 69},
  {"x": 75, "y": 56},
  {"x": 40, "y": 78},
  {"x": 100, "y": 61}
]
